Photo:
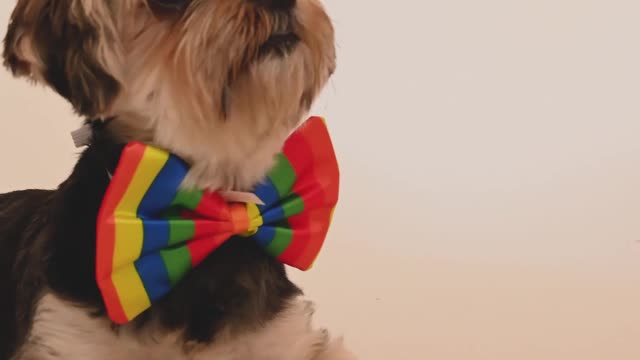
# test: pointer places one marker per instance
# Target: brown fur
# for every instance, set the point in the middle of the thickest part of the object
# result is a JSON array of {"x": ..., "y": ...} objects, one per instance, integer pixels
[{"x": 195, "y": 81}]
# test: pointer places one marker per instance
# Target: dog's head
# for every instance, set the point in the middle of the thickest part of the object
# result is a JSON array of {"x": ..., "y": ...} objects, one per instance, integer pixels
[{"x": 219, "y": 82}]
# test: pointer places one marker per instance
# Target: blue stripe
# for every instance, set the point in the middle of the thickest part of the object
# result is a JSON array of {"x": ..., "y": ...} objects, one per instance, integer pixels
[
  {"x": 163, "y": 189},
  {"x": 265, "y": 235},
  {"x": 268, "y": 193},
  {"x": 154, "y": 276},
  {"x": 156, "y": 235},
  {"x": 271, "y": 216}
]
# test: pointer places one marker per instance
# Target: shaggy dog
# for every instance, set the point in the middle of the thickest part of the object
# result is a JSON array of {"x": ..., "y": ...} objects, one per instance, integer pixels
[{"x": 221, "y": 83}]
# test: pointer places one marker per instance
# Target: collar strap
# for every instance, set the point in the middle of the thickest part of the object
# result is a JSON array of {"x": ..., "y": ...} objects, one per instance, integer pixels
[{"x": 85, "y": 135}]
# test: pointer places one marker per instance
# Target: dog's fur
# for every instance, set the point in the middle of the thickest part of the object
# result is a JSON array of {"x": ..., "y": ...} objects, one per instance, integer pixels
[{"x": 220, "y": 83}]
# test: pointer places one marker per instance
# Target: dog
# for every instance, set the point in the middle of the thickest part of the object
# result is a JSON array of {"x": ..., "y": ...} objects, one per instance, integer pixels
[{"x": 220, "y": 83}]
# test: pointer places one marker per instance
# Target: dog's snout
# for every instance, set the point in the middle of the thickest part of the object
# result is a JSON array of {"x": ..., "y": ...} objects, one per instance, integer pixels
[{"x": 277, "y": 4}]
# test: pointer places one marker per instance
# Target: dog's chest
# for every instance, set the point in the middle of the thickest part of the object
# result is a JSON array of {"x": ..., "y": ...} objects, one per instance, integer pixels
[{"x": 62, "y": 331}]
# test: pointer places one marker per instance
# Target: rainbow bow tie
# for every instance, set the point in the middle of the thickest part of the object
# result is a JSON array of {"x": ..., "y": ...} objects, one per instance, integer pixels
[{"x": 150, "y": 233}]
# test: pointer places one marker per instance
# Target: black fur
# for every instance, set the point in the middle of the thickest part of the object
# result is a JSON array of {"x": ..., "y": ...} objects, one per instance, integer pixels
[
  {"x": 66, "y": 42},
  {"x": 47, "y": 243}
]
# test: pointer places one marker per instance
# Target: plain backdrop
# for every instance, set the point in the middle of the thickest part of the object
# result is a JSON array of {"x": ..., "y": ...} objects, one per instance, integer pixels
[{"x": 491, "y": 177}]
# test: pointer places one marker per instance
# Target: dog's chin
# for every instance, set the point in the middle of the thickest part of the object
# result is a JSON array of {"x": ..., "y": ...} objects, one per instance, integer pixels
[{"x": 220, "y": 83}]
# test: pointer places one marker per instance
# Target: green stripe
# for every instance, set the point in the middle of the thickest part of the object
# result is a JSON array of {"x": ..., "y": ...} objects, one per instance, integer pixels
[
  {"x": 293, "y": 205},
  {"x": 178, "y": 263},
  {"x": 283, "y": 176},
  {"x": 280, "y": 242},
  {"x": 190, "y": 199},
  {"x": 181, "y": 230}
]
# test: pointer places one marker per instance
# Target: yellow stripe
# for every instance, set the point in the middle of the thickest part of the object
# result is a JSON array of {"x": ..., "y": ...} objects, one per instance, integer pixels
[
  {"x": 129, "y": 239},
  {"x": 131, "y": 292},
  {"x": 255, "y": 219},
  {"x": 130, "y": 234},
  {"x": 333, "y": 210},
  {"x": 129, "y": 229}
]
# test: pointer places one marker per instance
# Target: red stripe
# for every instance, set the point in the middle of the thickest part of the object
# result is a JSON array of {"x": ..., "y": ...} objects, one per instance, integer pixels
[
  {"x": 202, "y": 247},
  {"x": 293, "y": 254},
  {"x": 213, "y": 227},
  {"x": 319, "y": 225},
  {"x": 209, "y": 227},
  {"x": 209, "y": 235},
  {"x": 312, "y": 142},
  {"x": 298, "y": 152},
  {"x": 317, "y": 185},
  {"x": 213, "y": 206},
  {"x": 105, "y": 237}
]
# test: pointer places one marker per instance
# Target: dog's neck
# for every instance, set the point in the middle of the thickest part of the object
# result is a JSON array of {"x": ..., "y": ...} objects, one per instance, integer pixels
[
  {"x": 231, "y": 168},
  {"x": 218, "y": 161}
]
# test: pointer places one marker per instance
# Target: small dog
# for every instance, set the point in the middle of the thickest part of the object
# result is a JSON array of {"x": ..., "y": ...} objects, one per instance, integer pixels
[{"x": 221, "y": 83}]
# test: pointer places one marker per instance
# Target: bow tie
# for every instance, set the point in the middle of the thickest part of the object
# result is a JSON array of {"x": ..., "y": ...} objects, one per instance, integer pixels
[{"x": 150, "y": 232}]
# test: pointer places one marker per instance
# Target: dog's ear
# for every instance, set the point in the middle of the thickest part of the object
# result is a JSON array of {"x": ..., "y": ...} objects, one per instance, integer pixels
[{"x": 71, "y": 45}]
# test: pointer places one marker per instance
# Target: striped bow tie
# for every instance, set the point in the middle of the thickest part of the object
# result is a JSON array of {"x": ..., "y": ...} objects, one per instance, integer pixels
[{"x": 150, "y": 233}]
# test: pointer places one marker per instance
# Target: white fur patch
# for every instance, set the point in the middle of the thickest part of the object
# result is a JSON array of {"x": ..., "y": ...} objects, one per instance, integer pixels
[{"x": 63, "y": 331}]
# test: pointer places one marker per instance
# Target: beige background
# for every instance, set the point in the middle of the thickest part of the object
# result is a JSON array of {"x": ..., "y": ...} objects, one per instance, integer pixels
[{"x": 491, "y": 202}]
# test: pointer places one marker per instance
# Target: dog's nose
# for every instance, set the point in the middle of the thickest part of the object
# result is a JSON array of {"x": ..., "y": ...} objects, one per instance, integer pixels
[{"x": 277, "y": 4}]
